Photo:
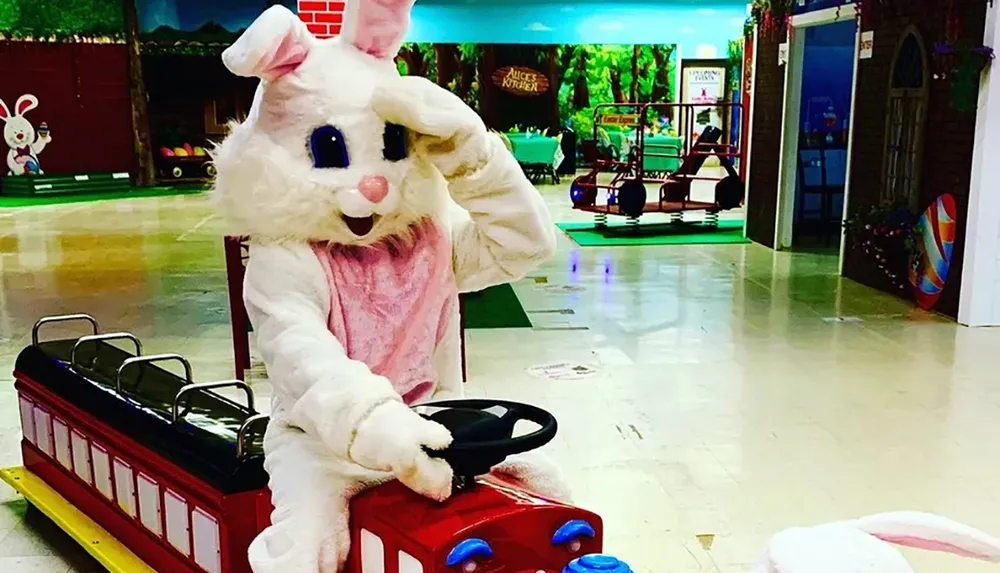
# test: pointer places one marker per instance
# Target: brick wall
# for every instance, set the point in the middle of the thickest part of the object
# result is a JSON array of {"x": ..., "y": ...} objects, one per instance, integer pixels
[
  {"x": 324, "y": 19},
  {"x": 948, "y": 138},
  {"x": 768, "y": 95}
]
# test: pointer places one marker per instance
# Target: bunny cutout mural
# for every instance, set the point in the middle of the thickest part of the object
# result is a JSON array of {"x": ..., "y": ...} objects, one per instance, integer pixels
[
  {"x": 371, "y": 200},
  {"x": 864, "y": 545},
  {"x": 19, "y": 134}
]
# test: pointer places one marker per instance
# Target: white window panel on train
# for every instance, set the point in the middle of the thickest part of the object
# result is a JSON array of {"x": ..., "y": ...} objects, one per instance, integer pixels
[
  {"x": 102, "y": 469},
  {"x": 125, "y": 487},
  {"x": 178, "y": 526},
  {"x": 206, "y": 541},
  {"x": 81, "y": 456},
  {"x": 372, "y": 553},
  {"x": 149, "y": 504},
  {"x": 60, "y": 436},
  {"x": 27, "y": 419},
  {"x": 43, "y": 431},
  {"x": 409, "y": 563}
]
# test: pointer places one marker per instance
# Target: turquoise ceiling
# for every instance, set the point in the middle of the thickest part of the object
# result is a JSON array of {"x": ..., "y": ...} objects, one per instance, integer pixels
[{"x": 692, "y": 24}]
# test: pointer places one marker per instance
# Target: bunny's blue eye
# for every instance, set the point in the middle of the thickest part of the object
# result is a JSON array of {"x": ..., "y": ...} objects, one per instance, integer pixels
[
  {"x": 329, "y": 148},
  {"x": 394, "y": 142}
]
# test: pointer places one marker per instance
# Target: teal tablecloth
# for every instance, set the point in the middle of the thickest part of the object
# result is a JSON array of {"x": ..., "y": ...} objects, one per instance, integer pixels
[
  {"x": 661, "y": 145},
  {"x": 537, "y": 149}
]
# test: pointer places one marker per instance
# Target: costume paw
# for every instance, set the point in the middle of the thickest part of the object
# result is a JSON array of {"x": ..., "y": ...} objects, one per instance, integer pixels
[
  {"x": 535, "y": 472},
  {"x": 449, "y": 133},
  {"x": 394, "y": 438}
]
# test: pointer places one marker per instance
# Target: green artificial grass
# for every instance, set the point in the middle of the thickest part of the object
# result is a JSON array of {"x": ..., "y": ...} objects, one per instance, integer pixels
[
  {"x": 494, "y": 307},
  {"x": 135, "y": 193},
  {"x": 586, "y": 235}
]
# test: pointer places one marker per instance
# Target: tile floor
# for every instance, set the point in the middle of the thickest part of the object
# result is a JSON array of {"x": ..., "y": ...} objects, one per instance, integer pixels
[{"x": 724, "y": 403}]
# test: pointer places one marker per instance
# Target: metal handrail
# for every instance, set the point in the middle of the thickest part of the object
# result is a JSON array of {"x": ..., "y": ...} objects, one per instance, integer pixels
[
  {"x": 62, "y": 318},
  {"x": 98, "y": 337},
  {"x": 241, "y": 435},
  {"x": 204, "y": 387},
  {"x": 150, "y": 359}
]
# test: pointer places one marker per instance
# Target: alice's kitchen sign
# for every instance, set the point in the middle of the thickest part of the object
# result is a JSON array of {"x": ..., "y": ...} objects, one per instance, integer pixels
[{"x": 521, "y": 81}]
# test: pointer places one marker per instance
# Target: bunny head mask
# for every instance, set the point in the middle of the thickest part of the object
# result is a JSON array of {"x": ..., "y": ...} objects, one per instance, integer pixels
[
  {"x": 17, "y": 130},
  {"x": 313, "y": 161}
]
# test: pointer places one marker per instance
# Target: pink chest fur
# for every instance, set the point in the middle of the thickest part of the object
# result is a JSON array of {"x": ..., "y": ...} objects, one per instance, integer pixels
[{"x": 390, "y": 310}]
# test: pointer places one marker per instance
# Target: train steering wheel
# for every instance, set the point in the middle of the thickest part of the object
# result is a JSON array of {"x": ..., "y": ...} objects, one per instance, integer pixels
[{"x": 483, "y": 432}]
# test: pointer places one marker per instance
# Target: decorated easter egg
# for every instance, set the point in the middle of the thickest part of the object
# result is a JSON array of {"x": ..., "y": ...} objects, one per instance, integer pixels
[
  {"x": 199, "y": 152},
  {"x": 937, "y": 239},
  {"x": 189, "y": 149},
  {"x": 180, "y": 152},
  {"x": 166, "y": 152}
]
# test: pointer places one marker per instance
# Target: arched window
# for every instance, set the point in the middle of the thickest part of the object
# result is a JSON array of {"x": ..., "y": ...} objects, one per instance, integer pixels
[{"x": 906, "y": 113}]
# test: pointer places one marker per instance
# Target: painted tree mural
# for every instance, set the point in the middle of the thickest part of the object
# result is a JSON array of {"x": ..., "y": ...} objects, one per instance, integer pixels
[
  {"x": 583, "y": 76},
  {"x": 142, "y": 141},
  {"x": 417, "y": 60},
  {"x": 601, "y": 74}
]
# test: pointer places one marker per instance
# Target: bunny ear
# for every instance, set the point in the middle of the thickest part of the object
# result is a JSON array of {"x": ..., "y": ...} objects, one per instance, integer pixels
[
  {"x": 4, "y": 112},
  {"x": 931, "y": 532},
  {"x": 25, "y": 103},
  {"x": 377, "y": 27},
  {"x": 274, "y": 45}
]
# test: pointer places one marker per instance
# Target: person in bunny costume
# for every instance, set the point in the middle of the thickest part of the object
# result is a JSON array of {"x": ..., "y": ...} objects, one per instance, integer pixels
[
  {"x": 19, "y": 134},
  {"x": 863, "y": 545},
  {"x": 370, "y": 200}
]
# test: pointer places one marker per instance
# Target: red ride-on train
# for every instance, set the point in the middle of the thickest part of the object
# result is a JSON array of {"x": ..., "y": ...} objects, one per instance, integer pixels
[
  {"x": 657, "y": 162},
  {"x": 153, "y": 472}
]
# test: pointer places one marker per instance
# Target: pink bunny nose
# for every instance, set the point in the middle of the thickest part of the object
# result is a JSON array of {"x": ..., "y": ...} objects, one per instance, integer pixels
[{"x": 374, "y": 188}]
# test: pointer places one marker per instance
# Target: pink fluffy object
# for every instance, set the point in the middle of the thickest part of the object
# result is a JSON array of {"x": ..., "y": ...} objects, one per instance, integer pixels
[{"x": 866, "y": 545}]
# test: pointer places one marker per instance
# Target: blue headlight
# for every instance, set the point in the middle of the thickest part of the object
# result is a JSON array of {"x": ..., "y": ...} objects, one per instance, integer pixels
[{"x": 573, "y": 530}]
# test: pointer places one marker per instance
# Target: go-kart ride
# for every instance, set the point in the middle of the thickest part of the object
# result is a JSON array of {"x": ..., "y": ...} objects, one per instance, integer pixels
[
  {"x": 670, "y": 164},
  {"x": 152, "y": 472}
]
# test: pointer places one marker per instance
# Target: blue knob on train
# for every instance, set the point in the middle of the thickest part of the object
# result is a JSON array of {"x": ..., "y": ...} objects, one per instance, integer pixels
[{"x": 597, "y": 562}]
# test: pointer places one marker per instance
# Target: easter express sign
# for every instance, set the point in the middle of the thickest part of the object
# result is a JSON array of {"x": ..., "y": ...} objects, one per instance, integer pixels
[{"x": 521, "y": 81}]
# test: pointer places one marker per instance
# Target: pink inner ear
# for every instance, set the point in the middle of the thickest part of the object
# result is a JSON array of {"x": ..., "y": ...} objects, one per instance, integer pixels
[
  {"x": 24, "y": 106},
  {"x": 4, "y": 112},
  {"x": 381, "y": 26},
  {"x": 930, "y": 545},
  {"x": 288, "y": 56}
]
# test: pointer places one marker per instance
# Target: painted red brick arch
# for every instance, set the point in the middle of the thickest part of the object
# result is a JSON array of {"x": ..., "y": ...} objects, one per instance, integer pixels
[{"x": 324, "y": 19}]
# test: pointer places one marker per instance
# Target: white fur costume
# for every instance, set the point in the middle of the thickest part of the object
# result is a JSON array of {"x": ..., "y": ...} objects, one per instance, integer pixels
[
  {"x": 311, "y": 178},
  {"x": 863, "y": 545}
]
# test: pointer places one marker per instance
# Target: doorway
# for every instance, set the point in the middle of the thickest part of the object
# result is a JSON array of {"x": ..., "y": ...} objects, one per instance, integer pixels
[{"x": 813, "y": 177}]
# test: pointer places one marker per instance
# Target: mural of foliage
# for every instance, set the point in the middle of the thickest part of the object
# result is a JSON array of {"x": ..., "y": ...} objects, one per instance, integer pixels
[
  {"x": 452, "y": 66},
  {"x": 602, "y": 74},
  {"x": 734, "y": 59},
  {"x": 466, "y": 83},
  {"x": 61, "y": 18},
  {"x": 417, "y": 60}
]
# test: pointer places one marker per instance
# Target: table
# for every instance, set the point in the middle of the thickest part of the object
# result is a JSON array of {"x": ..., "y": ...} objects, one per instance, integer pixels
[
  {"x": 662, "y": 145},
  {"x": 537, "y": 154},
  {"x": 237, "y": 253}
]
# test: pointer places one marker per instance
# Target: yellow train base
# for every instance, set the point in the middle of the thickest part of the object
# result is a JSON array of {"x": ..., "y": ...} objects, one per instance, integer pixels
[{"x": 95, "y": 540}]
